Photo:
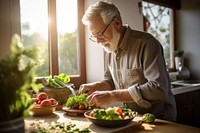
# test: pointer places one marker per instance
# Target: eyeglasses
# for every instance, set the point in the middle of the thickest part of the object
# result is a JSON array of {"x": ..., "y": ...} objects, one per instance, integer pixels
[{"x": 100, "y": 34}]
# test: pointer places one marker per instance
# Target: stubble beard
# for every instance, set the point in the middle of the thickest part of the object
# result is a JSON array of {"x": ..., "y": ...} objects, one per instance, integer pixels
[{"x": 112, "y": 45}]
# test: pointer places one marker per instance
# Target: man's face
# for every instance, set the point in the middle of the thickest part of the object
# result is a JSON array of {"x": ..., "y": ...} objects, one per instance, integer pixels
[
  {"x": 112, "y": 44},
  {"x": 104, "y": 34}
]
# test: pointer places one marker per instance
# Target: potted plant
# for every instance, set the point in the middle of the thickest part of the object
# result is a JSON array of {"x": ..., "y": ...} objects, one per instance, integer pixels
[
  {"x": 17, "y": 72},
  {"x": 178, "y": 54}
]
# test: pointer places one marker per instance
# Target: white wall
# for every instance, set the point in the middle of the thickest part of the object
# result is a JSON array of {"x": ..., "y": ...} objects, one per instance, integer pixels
[
  {"x": 188, "y": 36},
  {"x": 94, "y": 52},
  {"x": 130, "y": 13}
]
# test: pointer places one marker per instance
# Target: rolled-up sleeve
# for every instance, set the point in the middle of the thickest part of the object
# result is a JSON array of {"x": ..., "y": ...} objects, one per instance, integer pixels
[{"x": 134, "y": 91}]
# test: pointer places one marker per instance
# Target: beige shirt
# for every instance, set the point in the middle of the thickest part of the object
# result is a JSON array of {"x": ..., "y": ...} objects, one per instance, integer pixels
[{"x": 138, "y": 65}]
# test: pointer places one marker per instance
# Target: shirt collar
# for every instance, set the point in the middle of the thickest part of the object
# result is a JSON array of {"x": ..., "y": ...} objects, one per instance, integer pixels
[{"x": 124, "y": 43}]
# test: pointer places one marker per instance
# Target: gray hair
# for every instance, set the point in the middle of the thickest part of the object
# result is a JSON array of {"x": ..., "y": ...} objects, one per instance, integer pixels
[{"x": 106, "y": 9}]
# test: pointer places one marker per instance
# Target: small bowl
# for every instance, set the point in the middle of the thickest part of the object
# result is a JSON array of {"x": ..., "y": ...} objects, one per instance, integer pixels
[
  {"x": 40, "y": 111},
  {"x": 74, "y": 112},
  {"x": 107, "y": 123}
]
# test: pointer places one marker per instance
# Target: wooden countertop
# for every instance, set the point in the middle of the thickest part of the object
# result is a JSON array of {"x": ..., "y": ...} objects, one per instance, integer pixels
[
  {"x": 159, "y": 126},
  {"x": 180, "y": 90}
]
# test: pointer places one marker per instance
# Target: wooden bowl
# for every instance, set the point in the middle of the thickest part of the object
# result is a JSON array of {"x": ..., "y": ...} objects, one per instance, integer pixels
[
  {"x": 59, "y": 94},
  {"x": 41, "y": 111}
]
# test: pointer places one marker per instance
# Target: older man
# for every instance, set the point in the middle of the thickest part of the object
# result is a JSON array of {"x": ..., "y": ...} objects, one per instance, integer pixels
[{"x": 136, "y": 73}]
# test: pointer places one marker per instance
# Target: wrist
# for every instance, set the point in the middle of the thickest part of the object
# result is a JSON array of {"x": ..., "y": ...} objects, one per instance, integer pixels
[
  {"x": 103, "y": 86},
  {"x": 113, "y": 95}
]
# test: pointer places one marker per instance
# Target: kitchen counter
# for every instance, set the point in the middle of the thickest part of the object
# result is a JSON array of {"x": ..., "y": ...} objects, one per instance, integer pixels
[
  {"x": 134, "y": 126},
  {"x": 187, "y": 97},
  {"x": 184, "y": 89}
]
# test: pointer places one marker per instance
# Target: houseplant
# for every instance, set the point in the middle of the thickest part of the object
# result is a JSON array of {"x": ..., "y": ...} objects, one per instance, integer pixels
[
  {"x": 178, "y": 55},
  {"x": 17, "y": 72}
]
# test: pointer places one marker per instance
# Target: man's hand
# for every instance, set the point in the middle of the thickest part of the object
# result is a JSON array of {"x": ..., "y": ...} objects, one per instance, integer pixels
[
  {"x": 88, "y": 88},
  {"x": 100, "y": 98},
  {"x": 92, "y": 87}
]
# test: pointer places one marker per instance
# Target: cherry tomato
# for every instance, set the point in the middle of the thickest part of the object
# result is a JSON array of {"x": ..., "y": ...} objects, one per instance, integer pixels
[
  {"x": 42, "y": 96},
  {"x": 45, "y": 103},
  {"x": 91, "y": 114},
  {"x": 118, "y": 110},
  {"x": 36, "y": 100},
  {"x": 53, "y": 101},
  {"x": 81, "y": 107},
  {"x": 123, "y": 115},
  {"x": 76, "y": 106}
]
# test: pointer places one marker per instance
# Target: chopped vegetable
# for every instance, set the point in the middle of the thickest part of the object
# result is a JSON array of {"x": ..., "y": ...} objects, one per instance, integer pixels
[
  {"x": 55, "y": 127},
  {"x": 78, "y": 102},
  {"x": 148, "y": 117},
  {"x": 113, "y": 113}
]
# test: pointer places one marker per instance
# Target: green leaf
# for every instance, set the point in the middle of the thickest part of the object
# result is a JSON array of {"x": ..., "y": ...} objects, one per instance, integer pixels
[{"x": 17, "y": 73}]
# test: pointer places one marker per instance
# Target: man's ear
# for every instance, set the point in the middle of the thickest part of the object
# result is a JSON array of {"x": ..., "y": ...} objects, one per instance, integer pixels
[{"x": 117, "y": 22}]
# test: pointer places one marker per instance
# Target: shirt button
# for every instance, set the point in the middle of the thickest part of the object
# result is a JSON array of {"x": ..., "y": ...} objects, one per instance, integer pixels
[{"x": 117, "y": 57}]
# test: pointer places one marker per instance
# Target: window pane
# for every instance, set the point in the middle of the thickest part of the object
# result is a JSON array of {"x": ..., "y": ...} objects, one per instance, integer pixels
[
  {"x": 67, "y": 36},
  {"x": 159, "y": 24},
  {"x": 34, "y": 29}
]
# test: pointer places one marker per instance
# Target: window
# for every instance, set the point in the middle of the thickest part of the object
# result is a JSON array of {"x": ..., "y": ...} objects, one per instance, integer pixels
[
  {"x": 158, "y": 20},
  {"x": 55, "y": 26}
]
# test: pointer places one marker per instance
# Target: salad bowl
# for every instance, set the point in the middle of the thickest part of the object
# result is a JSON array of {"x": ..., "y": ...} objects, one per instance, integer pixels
[{"x": 107, "y": 123}]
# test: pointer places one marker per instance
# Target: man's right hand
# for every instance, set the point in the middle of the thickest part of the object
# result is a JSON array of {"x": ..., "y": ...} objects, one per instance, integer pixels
[
  {"x": 92, "y": 87},
  {"x": 87, "y": 88}
]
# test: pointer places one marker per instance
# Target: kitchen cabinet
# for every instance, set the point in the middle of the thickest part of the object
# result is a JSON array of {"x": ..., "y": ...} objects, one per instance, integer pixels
[{"x": 188, "y": 107}]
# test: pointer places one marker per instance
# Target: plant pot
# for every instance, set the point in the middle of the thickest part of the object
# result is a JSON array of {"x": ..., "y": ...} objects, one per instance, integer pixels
[
  {"x": 59, "y": 94},
  {"x": 178, "y": 62},
  {"x": 12, "y": 126}
]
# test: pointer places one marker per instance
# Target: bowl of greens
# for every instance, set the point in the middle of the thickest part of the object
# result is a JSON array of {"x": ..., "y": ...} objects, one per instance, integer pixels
[
  {"x": 59, "y": 88},
  {"x": 111, "y": 117},
  {"x": 77, "y": 105}
]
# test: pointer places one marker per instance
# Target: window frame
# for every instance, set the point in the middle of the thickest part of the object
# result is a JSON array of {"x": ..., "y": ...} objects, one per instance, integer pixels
[
  {"x": 77, "y": 80},
  {"x": 170, "y": 68}
]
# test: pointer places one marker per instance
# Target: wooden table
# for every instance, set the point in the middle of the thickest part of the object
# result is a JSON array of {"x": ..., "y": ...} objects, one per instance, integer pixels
[{"x": 159, "y": 126}]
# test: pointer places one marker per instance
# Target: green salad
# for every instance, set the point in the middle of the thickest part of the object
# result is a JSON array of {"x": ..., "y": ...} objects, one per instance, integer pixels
[
  {"x": 78, "y": 102},
  {"x": 113, "y": 113}
]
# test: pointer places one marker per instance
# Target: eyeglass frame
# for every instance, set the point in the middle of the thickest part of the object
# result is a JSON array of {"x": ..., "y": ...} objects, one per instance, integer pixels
[{"x": 100, "y": 34}]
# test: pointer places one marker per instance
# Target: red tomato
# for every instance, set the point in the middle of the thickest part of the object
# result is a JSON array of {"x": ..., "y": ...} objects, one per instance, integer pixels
[
  {"x": 76, "y": 106},
  {"x": 118, "y": 110},
  {"x": 81, "y": 107},
  {"x": 123, "y": 115},
  {"x": 53, "y": 101},
  {"x": 36, "y": 100},
  {"x": 91, "y": 114},
  {"x": 42, "y": 96},
  {"x": 45, "y": 103}
]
